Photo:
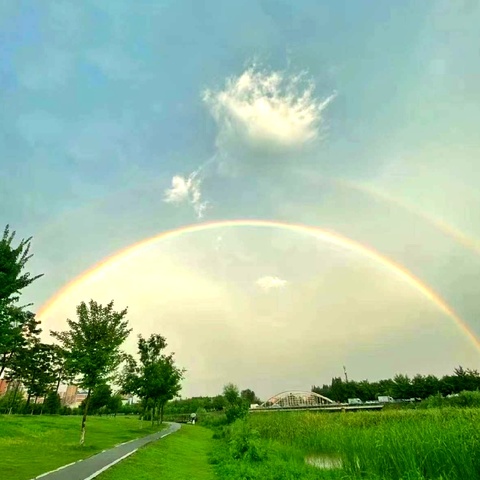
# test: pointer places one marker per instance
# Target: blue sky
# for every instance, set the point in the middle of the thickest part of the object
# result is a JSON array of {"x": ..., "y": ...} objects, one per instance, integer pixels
[{"x": 360, "y": 117}]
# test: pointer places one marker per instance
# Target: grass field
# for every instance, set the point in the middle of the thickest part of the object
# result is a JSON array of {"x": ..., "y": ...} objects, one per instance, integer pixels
[
  {"x": 32, "y": 445},
  {"x": 406, "y": 444},
  {"x": 180, "y": 456}
]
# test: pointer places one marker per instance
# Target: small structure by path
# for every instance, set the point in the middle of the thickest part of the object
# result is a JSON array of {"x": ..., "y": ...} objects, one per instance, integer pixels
[{"x": 91, "y": 467}]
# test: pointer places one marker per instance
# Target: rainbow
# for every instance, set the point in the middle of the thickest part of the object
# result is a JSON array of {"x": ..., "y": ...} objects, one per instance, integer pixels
[
  {"x": 323, "y": 235},
  {"x": 447, "y": 229}
]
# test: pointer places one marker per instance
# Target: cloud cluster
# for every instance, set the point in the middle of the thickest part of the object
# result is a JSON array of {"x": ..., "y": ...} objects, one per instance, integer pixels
[
  {"x": 268, "y": 283},
  {"x": 266, "y": 112},
  {"x": 187, "y": 190},
  {"x": 262, "y": 117}
]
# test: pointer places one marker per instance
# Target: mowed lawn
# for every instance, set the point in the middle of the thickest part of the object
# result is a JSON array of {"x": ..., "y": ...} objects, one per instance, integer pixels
[
  {"x": 32, "y": 445},
  {"x": 183, "y": 455}
]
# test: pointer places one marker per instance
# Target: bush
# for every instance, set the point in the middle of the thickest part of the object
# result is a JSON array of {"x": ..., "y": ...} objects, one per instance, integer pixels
[
  {"x": 241, "y": 453},
  {"x": 463, "y": 399},
  {"x": 12, "y": 402}
]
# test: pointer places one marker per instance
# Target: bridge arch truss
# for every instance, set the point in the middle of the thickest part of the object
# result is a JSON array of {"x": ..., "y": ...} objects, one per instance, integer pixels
[{"x": 296, "y": 398}]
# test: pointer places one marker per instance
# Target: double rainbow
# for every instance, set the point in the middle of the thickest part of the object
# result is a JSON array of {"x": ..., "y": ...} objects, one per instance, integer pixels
[{"x": 321, "y": 234}]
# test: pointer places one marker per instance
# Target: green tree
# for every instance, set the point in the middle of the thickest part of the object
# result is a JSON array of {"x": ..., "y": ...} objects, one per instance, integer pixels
[
  {"x": 154, "y": 378},
  {"x": 92, "y": 347},
  {"x": 249, "y": 396},
  {"x": 35, "y": 370},
  {"x": 12, "y": 401},
  {"x": 52, "y": 403},
  {"x": 402, "y": 386},
  {"x": 100, "y": 397},
  {"x": 236, "y": 407},
  {"x": 218, "y": 402},
  {"x": 12, "y": 263},
  {"x": 114, "y": 404},
  {"x": 17, "y": 329}
]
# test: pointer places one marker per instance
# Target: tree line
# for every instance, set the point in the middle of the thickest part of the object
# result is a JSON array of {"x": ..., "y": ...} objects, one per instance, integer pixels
[
  {"x": 88, "y": 354},
  {"x": 402, "y": 386}
]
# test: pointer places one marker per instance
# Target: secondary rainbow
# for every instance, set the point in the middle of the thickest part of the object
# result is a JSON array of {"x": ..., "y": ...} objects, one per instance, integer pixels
[{"x": 324, "y": 235}]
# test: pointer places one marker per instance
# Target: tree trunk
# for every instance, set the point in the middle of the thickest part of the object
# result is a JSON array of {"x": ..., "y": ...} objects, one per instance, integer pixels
[
  {"x": 152, "y": 414},
  {"x": 84, "y": 419},
  {"x": 58, "y": 384},
  {"x": 161, "y": 412},
  {"x": 14, "y": 396},
  {"x": 28, "y": 403}
]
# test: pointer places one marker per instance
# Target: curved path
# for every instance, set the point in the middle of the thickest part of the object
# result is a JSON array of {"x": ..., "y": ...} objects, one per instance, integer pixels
[{"x": 91, "y": 467}]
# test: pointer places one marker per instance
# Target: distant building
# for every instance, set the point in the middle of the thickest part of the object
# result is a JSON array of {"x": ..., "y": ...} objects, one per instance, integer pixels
[
  {"x": 72, "y": 397},
  {"x": 3, "y": 386}
]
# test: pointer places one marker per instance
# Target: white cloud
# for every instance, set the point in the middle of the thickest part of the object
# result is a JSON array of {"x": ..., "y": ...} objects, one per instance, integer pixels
[
  {"x": 268, "y": 282},
  {"x": 187, "y": 190},
  {"x": 266, "y": 112}
]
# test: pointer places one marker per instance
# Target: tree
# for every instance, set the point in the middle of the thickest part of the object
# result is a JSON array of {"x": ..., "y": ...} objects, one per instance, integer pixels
[
  {"x": 92, "y": 347},
  {"x": 17, "y": 329},
  {"x": 34, "y": 368},
  {"x": 114, "y": 404},
  {"x": 100, "y": 397},
  {"x": 52, "y": 403},
  {"x": 12, "y": 262},
  {"x": 12, "y": 401},
  {"x": 235, "y": 406},
  {"x": 402, "y": 386},
  {"x": 249, "y": 396},
  {"x": 154, "y": 378}
]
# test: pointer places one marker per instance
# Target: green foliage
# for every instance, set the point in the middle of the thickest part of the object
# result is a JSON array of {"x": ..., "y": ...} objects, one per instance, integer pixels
[
  {"x": 183, "y": 455},
  {"x": 35, "y": 369},
  {"x": 244, "y": 443},
  {"x": 241, "y": 453},
  {"x": 249, "y": 396},
  {"x": 34, "y": 444},
  {"x": 236, "y": 407},
  {"x": 195, "y": 404},
  {"x": 465, "y": 399},
  {"x": 402, "y": 386},
  {"x": 12, "y": 401},
  {"x": 12, "y": 263},
  {"x": 52, "y": 403},
  {"x": 18, "y": 330},
  {"x": 114, "y": 404},
  {"x": 91, "y": 348},
  {"x": 100, "y": 397},
  {"x": 92, "y": 345},
  {"x": 154, "y": 378},
  {"x": 388, "y": 445}
]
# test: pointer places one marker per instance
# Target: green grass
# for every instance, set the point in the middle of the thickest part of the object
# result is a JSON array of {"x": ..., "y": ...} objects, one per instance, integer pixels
[
  {"x": 240, "y": 453},
  {"x": 182, "y": 455},
  {"x": 405, "y": 444},
  {"x": 32, "y": 445}
]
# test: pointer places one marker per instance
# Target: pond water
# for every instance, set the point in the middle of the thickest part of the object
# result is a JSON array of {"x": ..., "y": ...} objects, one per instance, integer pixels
[{"x": 324, "y": 461}]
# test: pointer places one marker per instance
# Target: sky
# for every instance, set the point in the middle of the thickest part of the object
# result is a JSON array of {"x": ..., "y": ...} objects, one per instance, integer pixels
[{"x": 124, "y": 120}]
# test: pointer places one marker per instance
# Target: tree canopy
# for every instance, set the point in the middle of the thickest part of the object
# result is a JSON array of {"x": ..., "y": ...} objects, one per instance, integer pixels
[
  {"x": 12, "y": 263},
  {"x": 154, "y": 377},
  {"x": 91, "y": 347}
]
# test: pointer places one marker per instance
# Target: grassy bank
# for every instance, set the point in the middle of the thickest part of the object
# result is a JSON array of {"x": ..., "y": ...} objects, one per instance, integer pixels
[
  {"x": 32, "y": 445},
  {"x": 412, "y": 444},
  {"x": 182, "y": 455}
]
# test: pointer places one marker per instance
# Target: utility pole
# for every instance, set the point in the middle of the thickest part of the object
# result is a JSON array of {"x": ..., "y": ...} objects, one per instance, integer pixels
[{"x": 345, "y": 372}]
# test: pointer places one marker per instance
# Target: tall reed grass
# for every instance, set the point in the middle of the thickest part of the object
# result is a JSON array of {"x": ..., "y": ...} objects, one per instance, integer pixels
[{"x": 398, "y": 444}]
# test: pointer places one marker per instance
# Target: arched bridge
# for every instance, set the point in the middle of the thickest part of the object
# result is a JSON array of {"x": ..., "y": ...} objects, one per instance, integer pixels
[
  {"x": 296, "y": 398},
  {"x": 301, "y": 400}
]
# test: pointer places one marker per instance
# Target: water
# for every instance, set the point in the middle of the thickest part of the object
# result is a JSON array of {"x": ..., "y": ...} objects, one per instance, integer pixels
[{"x": 324, "y": 461}]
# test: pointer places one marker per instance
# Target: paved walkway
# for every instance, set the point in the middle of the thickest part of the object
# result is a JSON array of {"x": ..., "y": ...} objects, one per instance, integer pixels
[{"x": 91, "y": 467}]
